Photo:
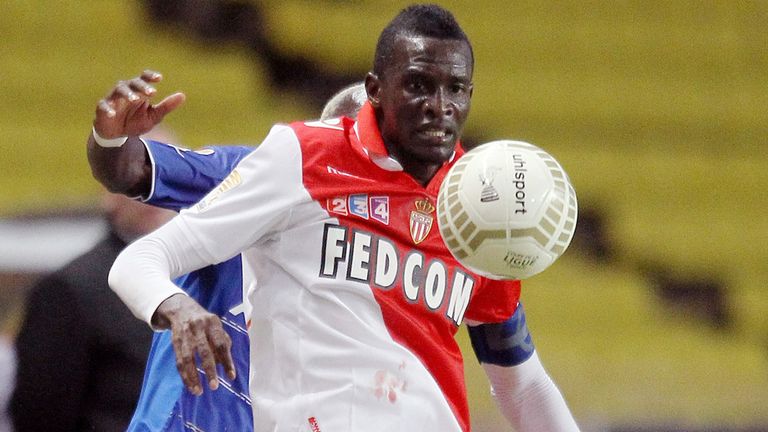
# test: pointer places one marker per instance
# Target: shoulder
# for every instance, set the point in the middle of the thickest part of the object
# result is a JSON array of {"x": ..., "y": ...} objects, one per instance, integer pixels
[
  {"x": 298, "y": 141},
  {"x": 494, "y": 301},
  {"x": 165, "y": 153},
  {"x": 328, "y": 132}
]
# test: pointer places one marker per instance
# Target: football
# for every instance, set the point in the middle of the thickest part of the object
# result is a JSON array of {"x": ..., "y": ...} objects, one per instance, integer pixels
[{"x": 507, "y": 210}]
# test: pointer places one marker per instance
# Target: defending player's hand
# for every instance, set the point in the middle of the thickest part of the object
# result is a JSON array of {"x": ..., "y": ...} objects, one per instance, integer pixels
[
  {"x": 127, "y": 110},
  {"x": 196, "y": 332}
]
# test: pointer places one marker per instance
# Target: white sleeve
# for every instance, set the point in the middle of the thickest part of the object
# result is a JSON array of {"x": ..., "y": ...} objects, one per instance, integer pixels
[
  {"x": 528, "y": 399},
  {"x": 255, "y": 200},
  {"x": 141, "y": 275}
]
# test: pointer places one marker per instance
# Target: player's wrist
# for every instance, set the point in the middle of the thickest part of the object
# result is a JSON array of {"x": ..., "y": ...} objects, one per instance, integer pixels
[{"x": 108, "y": 142}]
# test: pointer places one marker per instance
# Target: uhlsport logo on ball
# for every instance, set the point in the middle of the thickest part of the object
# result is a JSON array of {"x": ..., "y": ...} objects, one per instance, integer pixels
[{"x": 507, "y": 210}]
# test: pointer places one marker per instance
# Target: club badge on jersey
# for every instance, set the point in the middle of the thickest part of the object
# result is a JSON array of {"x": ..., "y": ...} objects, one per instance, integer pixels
[{"x": 421, "y": 220}]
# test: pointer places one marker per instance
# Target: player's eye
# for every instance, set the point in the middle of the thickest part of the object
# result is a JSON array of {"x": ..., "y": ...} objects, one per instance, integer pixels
[
  {"x": 417, "y": 85},
  {"x": 458, "y": 88}
]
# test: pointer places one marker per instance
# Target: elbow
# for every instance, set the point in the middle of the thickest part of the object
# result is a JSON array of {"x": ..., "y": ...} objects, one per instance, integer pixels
[
  {"x": 124, "y": 170},
  {"x": 125, "y": 181},
  {"x": 116, "y": 277},
  {"x": 109, "y": 182},
  {"x": 123, "y": 273}
]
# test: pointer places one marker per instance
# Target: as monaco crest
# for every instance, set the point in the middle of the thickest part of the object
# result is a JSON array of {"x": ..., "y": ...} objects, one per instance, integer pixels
[{"x": 421, "y": 221}]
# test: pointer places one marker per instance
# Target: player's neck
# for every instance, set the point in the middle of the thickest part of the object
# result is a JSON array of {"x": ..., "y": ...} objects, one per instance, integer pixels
[{"x": 421, "y": 172}]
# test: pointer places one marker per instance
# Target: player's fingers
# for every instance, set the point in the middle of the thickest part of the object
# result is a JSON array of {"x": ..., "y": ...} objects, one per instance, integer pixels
[
  {"x": 222, "y": 349},
  {"x": 183, "y": 345},
  {"x": 170, "y": 103},
  {"x": 104, "y": 108},
  {"x": 151, "y": 76},
  {"x": 204, "y": 350},
  {"x": 123, "y": 90},
  {"x": 142, "y": 87}
]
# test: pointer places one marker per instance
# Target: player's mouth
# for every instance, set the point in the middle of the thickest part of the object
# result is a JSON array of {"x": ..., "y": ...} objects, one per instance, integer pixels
[{"x": 436, "y": 136}]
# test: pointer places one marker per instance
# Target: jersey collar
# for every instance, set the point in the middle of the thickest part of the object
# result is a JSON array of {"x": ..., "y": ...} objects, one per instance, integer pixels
[{"x": 370, "y": 143}]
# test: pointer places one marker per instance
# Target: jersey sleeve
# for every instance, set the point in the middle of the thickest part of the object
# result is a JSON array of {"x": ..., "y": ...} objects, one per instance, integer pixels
[
  {"x": 495, "y": 301},
  {"x": 255, "y": 200},
  {"x": 181, "y": 177}
]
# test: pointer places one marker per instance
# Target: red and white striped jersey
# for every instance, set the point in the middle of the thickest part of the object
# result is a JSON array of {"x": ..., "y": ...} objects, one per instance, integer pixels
[{"x": 353, "y": 319}]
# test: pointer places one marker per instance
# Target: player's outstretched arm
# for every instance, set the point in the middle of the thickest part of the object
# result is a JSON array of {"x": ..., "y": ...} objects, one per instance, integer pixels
[
  {"x": 521, "y": 387},
  {"x": 117, "y": 156}
]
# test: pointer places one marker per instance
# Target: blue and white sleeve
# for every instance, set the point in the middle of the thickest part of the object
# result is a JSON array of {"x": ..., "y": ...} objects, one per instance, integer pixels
[
  {"x": 521, "y": 387},
  {"x": 504, "y": 344},
  {"x": 182, "y": 177}
]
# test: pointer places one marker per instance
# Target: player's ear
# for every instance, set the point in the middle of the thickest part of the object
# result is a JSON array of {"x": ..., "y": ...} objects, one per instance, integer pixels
[{"x": 372, "y": 88}]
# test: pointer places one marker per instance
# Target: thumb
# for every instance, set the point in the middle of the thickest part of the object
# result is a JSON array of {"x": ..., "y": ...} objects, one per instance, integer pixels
[{"x": 165, "y": 106}]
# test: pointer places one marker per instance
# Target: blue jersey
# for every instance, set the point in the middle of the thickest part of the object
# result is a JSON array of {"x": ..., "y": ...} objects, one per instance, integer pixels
[{"x": 181, "y": 178}]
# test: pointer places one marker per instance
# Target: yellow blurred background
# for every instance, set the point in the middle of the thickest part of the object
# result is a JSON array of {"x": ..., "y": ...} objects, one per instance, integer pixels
[{"x": 657, "y": 109}]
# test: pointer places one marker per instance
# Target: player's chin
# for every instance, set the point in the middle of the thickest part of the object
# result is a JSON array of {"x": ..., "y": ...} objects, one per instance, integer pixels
[
  {"x": 445, "y": 150},
  {"x": 436, "y": 154},
  {"x": 436, "y": 150}
]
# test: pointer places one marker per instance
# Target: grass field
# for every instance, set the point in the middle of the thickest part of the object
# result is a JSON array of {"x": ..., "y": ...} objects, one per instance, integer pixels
[{"x": 656, "y": 109}]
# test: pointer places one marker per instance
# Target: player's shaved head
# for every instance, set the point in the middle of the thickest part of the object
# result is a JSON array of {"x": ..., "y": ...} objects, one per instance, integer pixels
[
  {"x": 425, "y": 20},
  {"x": 347, "y": 102}
]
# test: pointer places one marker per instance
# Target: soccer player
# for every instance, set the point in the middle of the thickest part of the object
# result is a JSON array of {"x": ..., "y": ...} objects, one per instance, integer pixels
[{"x": 377, "y": 314}]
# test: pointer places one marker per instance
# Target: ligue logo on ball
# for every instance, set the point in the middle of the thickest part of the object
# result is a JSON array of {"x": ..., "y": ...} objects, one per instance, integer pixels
[{"x": 507, "y": 210}]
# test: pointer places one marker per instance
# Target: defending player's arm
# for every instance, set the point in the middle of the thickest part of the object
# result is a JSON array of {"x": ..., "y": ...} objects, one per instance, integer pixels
[
  {"x": 161, "y": 174},
  {"x": 522, "y": 389},
  {"x": 117, "y": 156}
]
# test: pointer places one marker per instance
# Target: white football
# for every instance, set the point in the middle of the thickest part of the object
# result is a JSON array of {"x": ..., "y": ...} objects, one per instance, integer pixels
[{"x": 507, "y": 210}]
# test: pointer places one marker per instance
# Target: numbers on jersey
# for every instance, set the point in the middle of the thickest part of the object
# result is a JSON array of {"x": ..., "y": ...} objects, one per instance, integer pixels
[
  {"x": 380, "y": 209},
  {"x": 338, "y": 205},
  {"x": 360, "y": 205}
]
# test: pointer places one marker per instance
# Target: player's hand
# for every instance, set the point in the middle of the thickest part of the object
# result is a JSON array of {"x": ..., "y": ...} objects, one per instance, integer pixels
[
  {"x": 195, "y": 332},
  {"x": 127, "y": 110}
]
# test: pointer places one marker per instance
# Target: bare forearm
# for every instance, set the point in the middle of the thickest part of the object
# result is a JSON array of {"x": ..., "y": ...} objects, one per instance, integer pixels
[{"x": 124, "y": 169}]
